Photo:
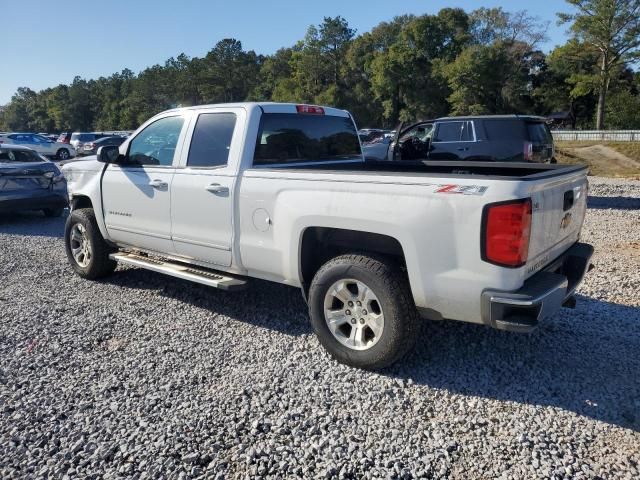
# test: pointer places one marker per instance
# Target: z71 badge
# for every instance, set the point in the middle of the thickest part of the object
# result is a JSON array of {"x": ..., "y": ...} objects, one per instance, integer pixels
[{"x": 462, "y": 189}]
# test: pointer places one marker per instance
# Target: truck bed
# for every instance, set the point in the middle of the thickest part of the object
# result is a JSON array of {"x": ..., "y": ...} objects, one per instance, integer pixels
[{"x": 489, "y": 170}]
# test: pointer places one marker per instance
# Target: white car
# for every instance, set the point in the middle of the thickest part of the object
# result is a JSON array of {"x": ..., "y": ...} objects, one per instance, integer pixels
[
  {"x": 40, "y": 144},
  {"x": 220, "y": 193}
]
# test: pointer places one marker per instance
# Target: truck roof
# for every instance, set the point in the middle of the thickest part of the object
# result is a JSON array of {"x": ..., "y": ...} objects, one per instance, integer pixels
[
  {"x": 270, "y": 107},
  {"x": 495, "y": 117}
]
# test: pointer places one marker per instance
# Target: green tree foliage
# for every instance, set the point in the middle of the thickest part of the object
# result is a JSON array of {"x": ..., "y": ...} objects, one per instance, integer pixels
[
  {"x": 612, "y": 27},
  {"x": 409, "y": 68}
]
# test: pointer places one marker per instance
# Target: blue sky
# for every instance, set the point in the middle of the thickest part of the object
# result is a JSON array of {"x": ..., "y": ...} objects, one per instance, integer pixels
[{"x": 46, "y": 42}]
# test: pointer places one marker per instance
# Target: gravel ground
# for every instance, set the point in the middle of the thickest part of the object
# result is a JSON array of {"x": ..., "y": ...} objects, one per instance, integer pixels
[{"x": 144, "y": 376}]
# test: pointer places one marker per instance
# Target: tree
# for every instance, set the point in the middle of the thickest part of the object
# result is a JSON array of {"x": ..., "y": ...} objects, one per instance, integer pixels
[
  {"x": 403, "y": 78},
  {"x": 613, "y": 28},
  {"x": 273, "y": 71},
  {"x": 335, "y": 36},
  {"x": 228, "y": 72},
  {"x": 489, "y": 25}
]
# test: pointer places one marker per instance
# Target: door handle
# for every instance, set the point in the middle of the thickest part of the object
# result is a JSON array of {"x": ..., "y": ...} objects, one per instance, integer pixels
[
  {"x": 217, "y": 188},
  {"x": 158, "y": 184}
]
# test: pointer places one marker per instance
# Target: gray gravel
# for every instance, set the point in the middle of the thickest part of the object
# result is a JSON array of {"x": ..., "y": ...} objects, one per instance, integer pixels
[{"x": 145, "y": 376}]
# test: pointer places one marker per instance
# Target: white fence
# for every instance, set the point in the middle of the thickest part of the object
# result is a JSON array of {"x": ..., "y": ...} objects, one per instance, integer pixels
[{"x": 596, "y": 135}]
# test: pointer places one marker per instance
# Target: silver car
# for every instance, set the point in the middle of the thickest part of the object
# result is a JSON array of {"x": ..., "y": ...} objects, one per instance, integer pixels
[{"x": 42, "y": 145}]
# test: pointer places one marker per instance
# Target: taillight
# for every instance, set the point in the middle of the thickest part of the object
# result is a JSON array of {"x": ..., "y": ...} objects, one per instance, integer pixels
[
  {"x": 312, "y": 109},
  {"x": 506, "y": 227},
  {"x": 528, "y": 151}
]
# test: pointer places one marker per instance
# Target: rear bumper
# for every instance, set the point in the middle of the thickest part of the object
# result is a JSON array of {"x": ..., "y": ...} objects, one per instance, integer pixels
[
  {"x": 541, "y": 295},
  {"x": 10, "y": 204}
]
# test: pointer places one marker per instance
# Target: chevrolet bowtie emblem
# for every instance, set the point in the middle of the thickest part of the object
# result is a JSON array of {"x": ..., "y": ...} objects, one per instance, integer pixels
[{"x": 566, "y": 221}]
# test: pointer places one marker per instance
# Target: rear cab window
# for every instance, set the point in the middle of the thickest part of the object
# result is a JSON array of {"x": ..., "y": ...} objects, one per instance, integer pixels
[{"x": 289, "y": 138}]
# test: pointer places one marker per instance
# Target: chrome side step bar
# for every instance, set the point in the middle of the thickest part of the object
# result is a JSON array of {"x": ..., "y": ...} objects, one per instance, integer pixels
[{"x": 210, "y": 278}]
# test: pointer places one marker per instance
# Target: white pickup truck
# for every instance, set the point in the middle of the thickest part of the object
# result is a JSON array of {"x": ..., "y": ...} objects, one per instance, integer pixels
[{"x": 220, "y": 193}]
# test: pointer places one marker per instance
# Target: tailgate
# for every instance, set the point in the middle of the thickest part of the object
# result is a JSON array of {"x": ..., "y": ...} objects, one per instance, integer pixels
[{"x": 558, "y": 210}]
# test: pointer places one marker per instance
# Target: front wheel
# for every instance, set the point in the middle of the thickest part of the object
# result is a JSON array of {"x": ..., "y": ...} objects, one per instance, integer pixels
[
  {"x": 63, "y": 154},
  {"x": 362, "y": 311},
  {"x": 87, "y": 251}
]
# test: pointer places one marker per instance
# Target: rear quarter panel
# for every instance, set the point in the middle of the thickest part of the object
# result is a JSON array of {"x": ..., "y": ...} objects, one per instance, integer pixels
[{"x": 438, "y": 229}]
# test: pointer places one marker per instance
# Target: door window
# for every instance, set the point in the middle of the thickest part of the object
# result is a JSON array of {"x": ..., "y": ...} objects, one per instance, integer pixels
[
  {"x": 461, "y": 131},
  {"x": 504, "y": 129},
  {"x": 211, "y": 140},
  {"x": 422, "y": 132},
  {"x": 156, "y": 144},
  {"x": 21, "y": 138}
]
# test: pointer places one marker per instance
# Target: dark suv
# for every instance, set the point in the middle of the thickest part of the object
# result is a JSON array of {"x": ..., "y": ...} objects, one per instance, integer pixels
[{"x": 499, "y": 138}]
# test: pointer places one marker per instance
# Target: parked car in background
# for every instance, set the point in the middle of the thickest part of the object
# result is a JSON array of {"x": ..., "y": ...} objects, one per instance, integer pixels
[
  {"x": 64, "y": 137},
  {"x": 92, "y": 147},
  {"x": 375, "y": 143},
  {"x": 503, "y": 138},
  {"x": 79, "y": 139},
  {"x": 40, "y": 144},
  {"x": 29, "y": 181}
]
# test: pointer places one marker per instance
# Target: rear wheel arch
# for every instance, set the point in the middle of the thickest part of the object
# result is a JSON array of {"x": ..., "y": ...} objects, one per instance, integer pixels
[{"x": 318, "y": 245}]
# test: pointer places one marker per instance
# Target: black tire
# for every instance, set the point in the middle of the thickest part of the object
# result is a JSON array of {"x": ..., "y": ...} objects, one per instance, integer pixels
[
  {"x": 390, "y": 286},
  {"x": 99, "y": 264},
  {"x": 53, "y": 212},
  {"x": 63, "y": 154}
]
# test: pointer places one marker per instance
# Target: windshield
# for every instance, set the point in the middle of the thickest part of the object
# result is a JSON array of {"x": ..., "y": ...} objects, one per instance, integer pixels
[
  {"x": 291, "y": 138},
  {"x": 19, "y": 156}
]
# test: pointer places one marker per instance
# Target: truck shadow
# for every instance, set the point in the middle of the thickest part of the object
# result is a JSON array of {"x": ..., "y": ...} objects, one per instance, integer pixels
[
  {"x": 255, "y": 305},
  {"x": 586, "y": 361},
  {"x": 33, "y": 224}
]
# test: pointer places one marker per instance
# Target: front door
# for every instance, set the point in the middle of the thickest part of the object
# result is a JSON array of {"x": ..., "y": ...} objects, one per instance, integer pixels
[
  {"x": 137, "y": 191},
  {"x": 202, "y": 191}
]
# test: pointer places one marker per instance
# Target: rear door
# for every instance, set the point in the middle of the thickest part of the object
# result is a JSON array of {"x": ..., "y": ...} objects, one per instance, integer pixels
[
  {"x": 43, "y": 145},
  {"x": 137, "y": 193},
  {"x": 452, "y": 140},
  {"x": 203, "y": 187}
]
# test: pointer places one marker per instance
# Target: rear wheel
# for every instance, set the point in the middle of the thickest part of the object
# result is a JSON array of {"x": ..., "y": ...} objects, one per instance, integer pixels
[
  {"x": 63, "y": 154},
  {"x": 362, "y": 311},
  {"x": 87, "y": 251}
]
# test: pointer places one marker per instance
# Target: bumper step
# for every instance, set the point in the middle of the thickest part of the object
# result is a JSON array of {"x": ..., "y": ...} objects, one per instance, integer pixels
[{"x": 204, "y": 276}]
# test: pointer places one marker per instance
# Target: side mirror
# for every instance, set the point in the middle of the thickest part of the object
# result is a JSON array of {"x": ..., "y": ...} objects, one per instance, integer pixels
[{"x": 108, "y": 154}]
